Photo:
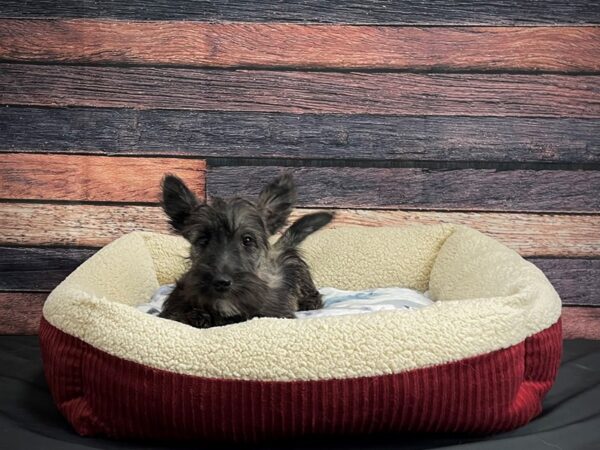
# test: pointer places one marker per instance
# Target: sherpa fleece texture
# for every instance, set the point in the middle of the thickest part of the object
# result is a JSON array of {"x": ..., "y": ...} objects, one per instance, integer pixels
[{"x": 486, "y": 296}]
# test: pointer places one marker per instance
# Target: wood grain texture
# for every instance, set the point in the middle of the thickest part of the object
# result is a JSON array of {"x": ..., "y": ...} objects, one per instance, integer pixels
[
  {"x": 556, "y": 235},
  {"x": 300, "y": 136},
  {"x": 408, "y": 188},
  {"x": 576, "y": 280},
  {"x": 581, "y": 323},
  {"x": 231, "y": 45},
  {"x": 20, "y": 312},
  {"x": 340, "y": 11},
  {"x": 38, "y": 269},
  {"x": 302, "y": 92},
  {"x": 93, "y": 178},
  {"x": 75, "y": 225}
]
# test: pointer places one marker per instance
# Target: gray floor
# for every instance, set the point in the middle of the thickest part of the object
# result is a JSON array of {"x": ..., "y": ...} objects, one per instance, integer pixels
[{"x": 571, "y": 417}]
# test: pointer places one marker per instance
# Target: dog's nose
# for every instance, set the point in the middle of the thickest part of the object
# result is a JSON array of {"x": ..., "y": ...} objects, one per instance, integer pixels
[{"x": 222, "y": 283}]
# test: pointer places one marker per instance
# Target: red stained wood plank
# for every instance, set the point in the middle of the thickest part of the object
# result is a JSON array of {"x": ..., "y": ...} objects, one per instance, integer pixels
[
  {"x": 92, "y": 178},
  {"x": 581, "y": 323},
  {"x": 302, "y": 92},
  {"x": 97, "y": 225},
  {"x": 20, "y": 312},
  {"x": 301, "y": 46}
]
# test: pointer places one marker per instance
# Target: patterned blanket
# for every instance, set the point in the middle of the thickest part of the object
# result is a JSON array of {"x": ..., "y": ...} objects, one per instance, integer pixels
[{"x": 336, "y": 302}]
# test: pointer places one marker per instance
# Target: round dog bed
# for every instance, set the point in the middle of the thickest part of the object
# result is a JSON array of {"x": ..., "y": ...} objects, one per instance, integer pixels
[{"x": 480, "y": 359}]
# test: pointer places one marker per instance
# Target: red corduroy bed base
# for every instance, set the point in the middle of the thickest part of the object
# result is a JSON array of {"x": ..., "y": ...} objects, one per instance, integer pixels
[{"x": 105, "y": 395}]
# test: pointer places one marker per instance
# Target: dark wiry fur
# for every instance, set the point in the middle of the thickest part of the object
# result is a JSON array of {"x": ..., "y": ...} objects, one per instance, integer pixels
[{"x": 236, "y": 274}]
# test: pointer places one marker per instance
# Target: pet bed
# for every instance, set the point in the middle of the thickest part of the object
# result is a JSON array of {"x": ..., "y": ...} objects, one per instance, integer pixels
[{"x": 479, "y": 360}]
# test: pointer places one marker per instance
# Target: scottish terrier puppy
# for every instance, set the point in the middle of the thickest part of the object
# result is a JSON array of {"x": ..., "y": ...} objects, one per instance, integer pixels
[{"x": 235, "y": 273}]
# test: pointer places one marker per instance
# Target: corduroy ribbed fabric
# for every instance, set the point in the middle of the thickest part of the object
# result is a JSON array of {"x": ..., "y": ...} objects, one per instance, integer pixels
[{"x": 102, "y": 394}]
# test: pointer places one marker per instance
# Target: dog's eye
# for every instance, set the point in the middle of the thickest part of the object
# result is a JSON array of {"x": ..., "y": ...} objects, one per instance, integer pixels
[
  {"x": 202, "y": 240},
  {"x": 247, "y": 241}
]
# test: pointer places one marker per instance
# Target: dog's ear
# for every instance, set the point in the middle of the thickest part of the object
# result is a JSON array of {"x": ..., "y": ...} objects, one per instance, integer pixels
[
  {"x": 304, "y": 227},
  {"x": 277, "y": 200},
  {"x": 178, "y": 201}
]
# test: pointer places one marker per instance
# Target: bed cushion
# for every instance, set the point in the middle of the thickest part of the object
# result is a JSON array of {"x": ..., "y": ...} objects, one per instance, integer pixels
[{"x": 480, "y": 359}]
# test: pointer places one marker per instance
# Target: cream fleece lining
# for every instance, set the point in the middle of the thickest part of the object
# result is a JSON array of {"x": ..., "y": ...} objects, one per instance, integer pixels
[{"x": 488, "y": 298}]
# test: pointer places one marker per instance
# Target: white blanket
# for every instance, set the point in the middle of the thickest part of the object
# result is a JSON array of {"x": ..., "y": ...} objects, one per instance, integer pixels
[{"x": 336, "y": 302}]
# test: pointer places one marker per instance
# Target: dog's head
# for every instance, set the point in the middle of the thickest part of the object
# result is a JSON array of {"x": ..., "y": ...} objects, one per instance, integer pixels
[{"x": 229, "y": 238}]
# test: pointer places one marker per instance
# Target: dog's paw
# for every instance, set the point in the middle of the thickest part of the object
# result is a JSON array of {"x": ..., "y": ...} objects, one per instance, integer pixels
[
  {"x": 310, "y": 302},
  {"x": 199, "y": 319}
]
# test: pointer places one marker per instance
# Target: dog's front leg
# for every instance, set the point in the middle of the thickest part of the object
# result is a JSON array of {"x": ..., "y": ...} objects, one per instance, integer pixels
[{"x": 199, "y": 318}]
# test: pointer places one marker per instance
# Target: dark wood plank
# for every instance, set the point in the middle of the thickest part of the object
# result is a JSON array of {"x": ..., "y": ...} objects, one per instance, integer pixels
[
  {"x": 302, "y": 92},
  {"x": 341, "y": 11},
  {"x": 20, "y": 312},
  {"x": 38, "y": 269},
  {"x": 93, "y": 178},
  {"x": 576, "y": 280},
  {"x": 409, "y": 188},
  {"x": 30, "y": 224},
  {"x": 581, "y": 323},
  {"x": 564, "y": 49},
  {"x": 274, "y": 135}
]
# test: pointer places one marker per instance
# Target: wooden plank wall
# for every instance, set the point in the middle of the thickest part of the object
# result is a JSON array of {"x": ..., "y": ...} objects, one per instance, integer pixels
[{"x": 393, "y": 113}]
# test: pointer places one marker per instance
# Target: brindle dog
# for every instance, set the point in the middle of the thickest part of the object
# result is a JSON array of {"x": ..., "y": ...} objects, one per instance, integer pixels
[{"x": 235, "y": 273}]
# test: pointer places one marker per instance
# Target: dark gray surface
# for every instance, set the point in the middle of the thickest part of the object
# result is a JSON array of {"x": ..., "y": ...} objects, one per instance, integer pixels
[{"x": 571, "y": 417}]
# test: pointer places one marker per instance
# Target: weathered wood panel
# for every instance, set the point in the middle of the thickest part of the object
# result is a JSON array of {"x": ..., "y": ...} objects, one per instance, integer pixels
[
  {"x": 581, "y": 323},
  {"x": 349, "y": 139},
  {"x": 576, "y": 280},
  {"x": 38, "y": 269},
  {"x": 562, "y": 49},
  {"x": 20, "y": 312},
  {"x": 408, "y": 188},
  {"x": 354, "y": 11},
  {"x": 302, "y": 92},
  {"x": 92, "y": 178},
  {"x": 75, "y": 225},
  {"x": 96, "y": 225}
]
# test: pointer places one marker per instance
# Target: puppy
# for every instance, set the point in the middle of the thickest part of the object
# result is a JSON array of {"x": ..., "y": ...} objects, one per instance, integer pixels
[{"x": 235, "y": 273}]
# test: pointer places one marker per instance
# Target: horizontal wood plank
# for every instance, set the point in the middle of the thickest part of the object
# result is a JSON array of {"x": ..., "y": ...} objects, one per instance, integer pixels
[
  {"x": 300, "y": 136},
  {"x": 409, "y": 188},
  {"x": 556, "y": 235},
  {"x": 581, "y": 323},
  {"x": 93, "y": 178},
  {"x": 302, "y": 92},
  {"x": 576, "y": 280},
  {"x": 231, "y": 45},
  {"x": 40, "y": 269},
  {"x": 75, "y": 225},
  {"x": 37, "y": 268},
  {"x": 20, "y": 312},
  {"x": 340, "y": 11}
]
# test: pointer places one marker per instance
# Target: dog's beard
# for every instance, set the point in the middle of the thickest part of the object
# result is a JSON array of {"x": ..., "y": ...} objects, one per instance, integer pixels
[{"x": 243, "y": 298}]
